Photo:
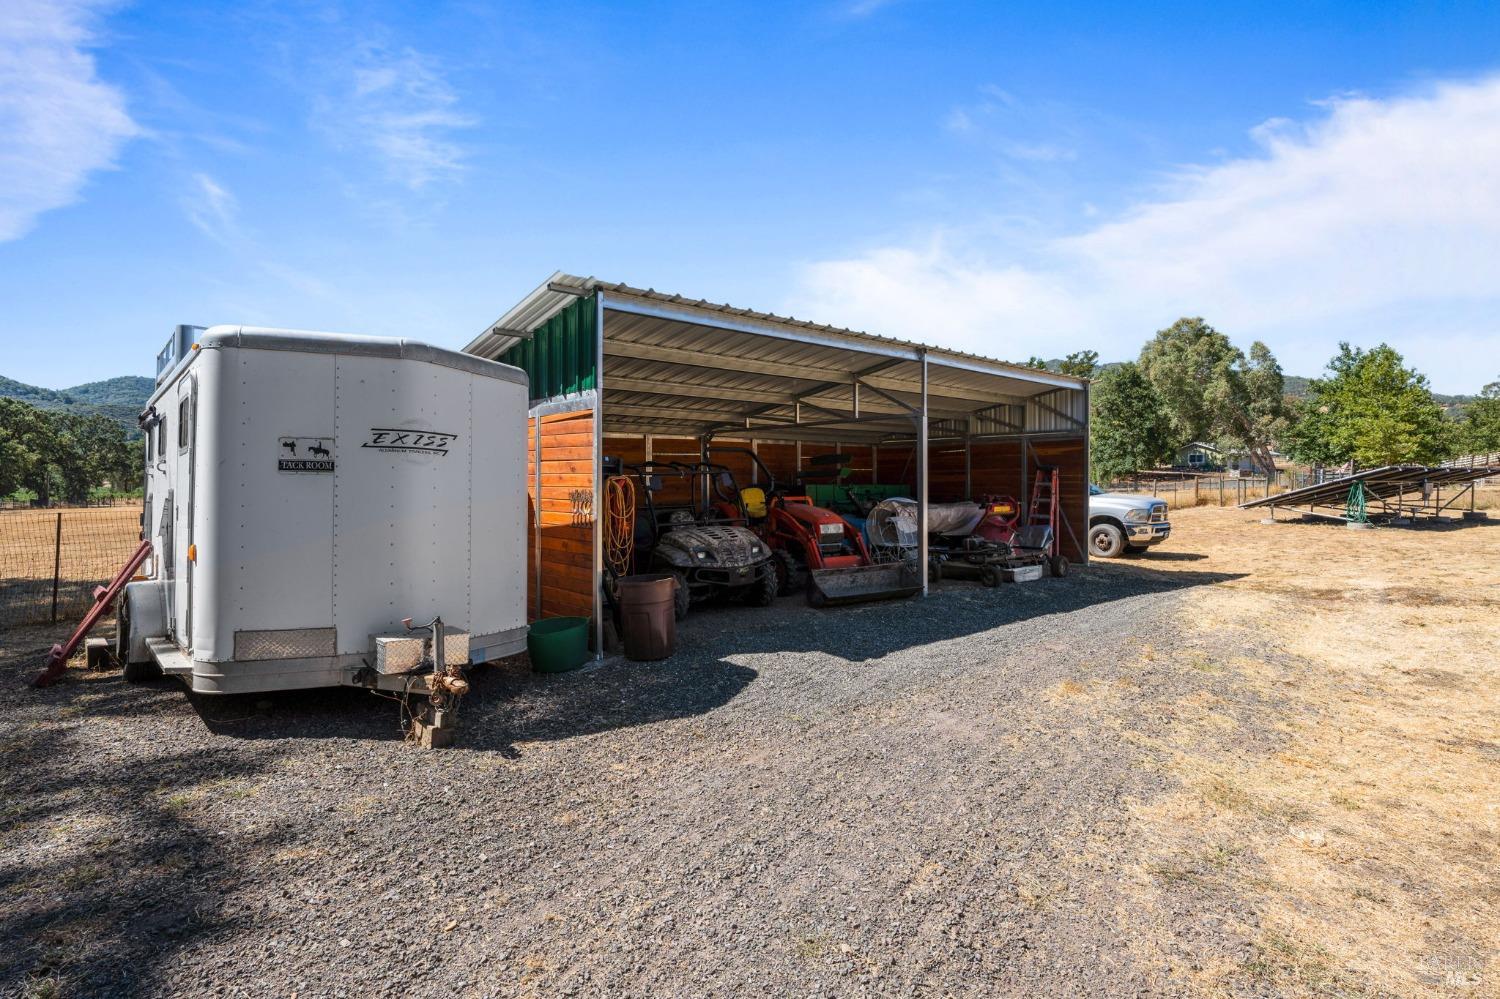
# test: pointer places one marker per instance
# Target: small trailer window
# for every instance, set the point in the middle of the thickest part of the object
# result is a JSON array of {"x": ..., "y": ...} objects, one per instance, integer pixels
[
  {"x": 161, "y": 437},
  {"x": 184, "y": 414}
]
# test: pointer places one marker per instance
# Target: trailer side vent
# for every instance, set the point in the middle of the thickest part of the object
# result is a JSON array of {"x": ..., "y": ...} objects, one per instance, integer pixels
[{"x": 290, "y": 643}]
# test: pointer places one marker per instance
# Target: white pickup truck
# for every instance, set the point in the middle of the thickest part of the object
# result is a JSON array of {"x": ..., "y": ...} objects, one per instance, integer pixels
[{"x": 1120, "y": 523}]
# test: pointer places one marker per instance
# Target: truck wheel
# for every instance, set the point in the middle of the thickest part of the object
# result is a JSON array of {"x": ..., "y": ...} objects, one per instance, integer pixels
[
  {"x": 1106, "y": 541},
  {"x": 762, "y": 593},
  {"x": 682, "y": 597}
]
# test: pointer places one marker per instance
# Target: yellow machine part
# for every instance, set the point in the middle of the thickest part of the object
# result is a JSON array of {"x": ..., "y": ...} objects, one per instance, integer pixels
[{"x": 754, "y": 499}]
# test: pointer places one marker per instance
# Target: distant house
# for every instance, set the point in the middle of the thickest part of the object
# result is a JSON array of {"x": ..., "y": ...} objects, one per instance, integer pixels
[{"x": 1200, "y": 457}]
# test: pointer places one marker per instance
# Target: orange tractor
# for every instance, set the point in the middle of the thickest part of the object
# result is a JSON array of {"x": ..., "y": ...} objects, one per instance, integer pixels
[{"x": 814, "y": 546}]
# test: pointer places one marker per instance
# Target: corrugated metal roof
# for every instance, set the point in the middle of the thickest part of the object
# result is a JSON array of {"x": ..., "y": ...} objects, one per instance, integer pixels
[
  {"x": 547, "y": 299},
  {"x": 700, "y": 367}
]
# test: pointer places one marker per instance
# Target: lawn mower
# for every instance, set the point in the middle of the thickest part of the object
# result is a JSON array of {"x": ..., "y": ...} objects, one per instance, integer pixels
[
  {"x": 815, "y": 546},
  {"x": 707, "y": 546},
  {"x": 999, "y": 546}
]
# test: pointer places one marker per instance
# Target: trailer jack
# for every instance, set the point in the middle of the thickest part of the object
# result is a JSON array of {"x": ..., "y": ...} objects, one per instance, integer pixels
[{"x": 104, "y": 598}]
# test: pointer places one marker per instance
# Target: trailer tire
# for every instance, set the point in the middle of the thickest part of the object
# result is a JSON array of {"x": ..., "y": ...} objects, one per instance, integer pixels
[
  {"x": 1059, "y": 566},
  {"x": 682, "y": 597},
  {"x": 138, "y": 672},
  {"x": 763, "y": 591},
  {"x": 1106, "y": 541}
]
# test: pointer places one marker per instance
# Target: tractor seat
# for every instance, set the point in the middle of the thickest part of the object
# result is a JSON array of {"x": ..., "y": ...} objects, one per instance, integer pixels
[{"x": 754, "y": 500}]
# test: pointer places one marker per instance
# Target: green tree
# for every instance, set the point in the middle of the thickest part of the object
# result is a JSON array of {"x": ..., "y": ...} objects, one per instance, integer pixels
[
  {"x": 33, "y": 437},
  {"x": 1373, "y": 410},
  {"x": 1129, "y": 426},
  {"x": 1212, "y": 392},
  {"x": 101, "y": 452},
  {"x": 1035, "y": 362},
  {"x": 1080, "y": 363},
  {"x": 1480, "y": 431},
  {"x": 16, "y": 461}
]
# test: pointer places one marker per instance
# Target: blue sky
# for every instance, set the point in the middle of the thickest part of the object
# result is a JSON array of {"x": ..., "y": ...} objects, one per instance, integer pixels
[{"x": 1010, "y": 179}]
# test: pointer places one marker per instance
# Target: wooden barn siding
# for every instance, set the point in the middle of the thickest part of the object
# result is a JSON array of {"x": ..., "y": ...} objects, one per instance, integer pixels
[
  {"x": 779, "y": 457},
  {"x": 566, "y": 538},
  {"x": 1070, "y": 455}
]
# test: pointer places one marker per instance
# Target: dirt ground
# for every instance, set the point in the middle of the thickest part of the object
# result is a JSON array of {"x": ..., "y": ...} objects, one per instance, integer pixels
[{"x": 1261, "y": 761}]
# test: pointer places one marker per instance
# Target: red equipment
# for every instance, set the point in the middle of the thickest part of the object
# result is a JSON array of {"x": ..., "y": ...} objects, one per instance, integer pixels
[
  {"x": 816, "y": 542},
  {"x": 104, "y": 597},
  {"x": 1002, "y": 519}
]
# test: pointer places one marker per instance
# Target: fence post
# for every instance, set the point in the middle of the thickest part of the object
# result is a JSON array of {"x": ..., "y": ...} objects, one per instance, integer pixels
[
  {"x": 1221, "y": 490},
  {"x": 56, "y": 563}
]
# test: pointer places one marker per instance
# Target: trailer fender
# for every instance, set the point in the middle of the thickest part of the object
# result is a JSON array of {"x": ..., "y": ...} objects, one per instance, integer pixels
[{"x": 146, "y": 610}]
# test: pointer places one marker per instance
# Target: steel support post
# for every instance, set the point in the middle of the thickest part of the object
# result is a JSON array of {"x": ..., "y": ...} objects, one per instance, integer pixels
[
  {"x": 598, "y": 474},
  {"x": 922, "y": 468}
]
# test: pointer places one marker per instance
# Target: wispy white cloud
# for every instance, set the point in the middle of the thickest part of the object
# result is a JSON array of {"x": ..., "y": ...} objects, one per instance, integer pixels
[
  {"x": 212, "y": 208},
  {"x": 1375, "y": 219},
  {"x": 864, "y": 8},
  {"x": 394, "y": 105},
  {"x": 58, "y": 121}
]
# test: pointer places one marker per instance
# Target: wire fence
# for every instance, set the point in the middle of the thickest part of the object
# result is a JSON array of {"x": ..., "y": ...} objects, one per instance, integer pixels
[
  {"x": 51, "y": 560},
  {"x": 1209, "y": 490}
]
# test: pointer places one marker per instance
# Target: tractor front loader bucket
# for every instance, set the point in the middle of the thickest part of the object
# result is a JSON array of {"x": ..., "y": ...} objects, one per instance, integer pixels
[{"x": 857, "y": 584}]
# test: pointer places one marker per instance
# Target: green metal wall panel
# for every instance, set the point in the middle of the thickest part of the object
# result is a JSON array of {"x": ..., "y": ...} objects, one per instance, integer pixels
[{"x": 561, "y": 354}]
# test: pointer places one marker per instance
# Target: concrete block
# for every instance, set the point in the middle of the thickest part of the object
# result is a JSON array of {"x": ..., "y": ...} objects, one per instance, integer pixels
[
  {"x": 433, "y": 736},
  {"x": 97, "y": 653}
]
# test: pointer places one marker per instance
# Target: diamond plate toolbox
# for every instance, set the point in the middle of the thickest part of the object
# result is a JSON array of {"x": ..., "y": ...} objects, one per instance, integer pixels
[{"x": 403, "y": 653}]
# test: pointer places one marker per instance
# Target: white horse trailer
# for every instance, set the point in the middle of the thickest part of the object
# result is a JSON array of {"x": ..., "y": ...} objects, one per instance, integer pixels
[{"x": 308, "y": 492}]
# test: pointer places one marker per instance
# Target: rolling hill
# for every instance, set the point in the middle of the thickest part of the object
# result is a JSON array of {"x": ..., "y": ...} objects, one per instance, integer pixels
[{"x": 121, "y": 399}]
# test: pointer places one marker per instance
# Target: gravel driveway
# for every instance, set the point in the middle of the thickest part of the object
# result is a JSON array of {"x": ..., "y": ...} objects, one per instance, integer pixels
[{"x": 887, "y": 799}]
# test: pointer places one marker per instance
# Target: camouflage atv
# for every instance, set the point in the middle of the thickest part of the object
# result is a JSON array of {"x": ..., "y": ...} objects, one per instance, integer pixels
[{"x": 708, "y": 552}]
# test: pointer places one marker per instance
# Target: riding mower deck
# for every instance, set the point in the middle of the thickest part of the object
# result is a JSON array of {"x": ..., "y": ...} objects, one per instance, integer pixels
[
  {"x": 815, "y": 546},
  {"x": 707, "y": 548}
]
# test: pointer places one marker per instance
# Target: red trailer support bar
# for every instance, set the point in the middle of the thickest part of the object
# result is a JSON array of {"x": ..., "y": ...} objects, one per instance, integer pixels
[{"x": 104, "y": 596}]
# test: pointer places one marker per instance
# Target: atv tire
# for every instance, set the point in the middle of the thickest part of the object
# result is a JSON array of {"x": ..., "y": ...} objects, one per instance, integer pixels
[
  {"x": 762, "y": 593},
  {"x": 682, "y": 597}
]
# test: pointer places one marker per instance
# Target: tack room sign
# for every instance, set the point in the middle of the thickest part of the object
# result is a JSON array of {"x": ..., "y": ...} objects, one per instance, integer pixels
[{"x": 304, "y": 454}]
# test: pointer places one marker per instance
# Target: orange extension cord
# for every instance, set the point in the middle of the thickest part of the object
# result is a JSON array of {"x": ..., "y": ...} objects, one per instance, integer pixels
[{"x": 619, "y": 523}]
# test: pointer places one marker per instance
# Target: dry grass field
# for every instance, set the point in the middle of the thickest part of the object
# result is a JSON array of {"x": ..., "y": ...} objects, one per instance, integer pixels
[
  {"x": 1367, "y": 844},
  {"x": 96, "y": 541}
]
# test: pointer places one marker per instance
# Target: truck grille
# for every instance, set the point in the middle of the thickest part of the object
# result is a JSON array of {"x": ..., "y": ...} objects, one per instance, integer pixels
[{"x": 1158, "y": 513}]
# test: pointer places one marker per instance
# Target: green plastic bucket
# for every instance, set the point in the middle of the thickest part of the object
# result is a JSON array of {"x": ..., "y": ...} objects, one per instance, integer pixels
[{"x": 558, "y": 644}]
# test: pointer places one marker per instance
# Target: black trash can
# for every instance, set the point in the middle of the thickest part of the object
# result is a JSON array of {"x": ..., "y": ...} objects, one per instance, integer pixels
[{"x": 646, "y": 616}]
